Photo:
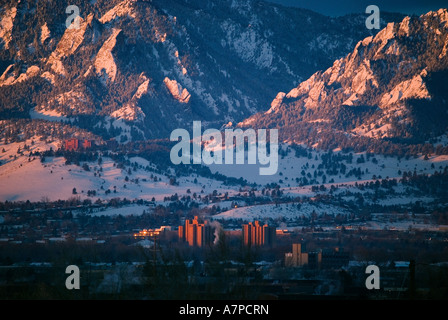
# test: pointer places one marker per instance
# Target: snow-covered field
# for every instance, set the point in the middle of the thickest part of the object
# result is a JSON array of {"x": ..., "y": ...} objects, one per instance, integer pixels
[
  {"x": 289, "y": 212},
  {"x": 290, "y": 167},
  {"x": 27, "y": 178},
  {"x": 50, "y": 115},
  {"x": 134, "y": 209},
  {"x": 33, "y": 180},
  {"x": 284, "y": 210}
]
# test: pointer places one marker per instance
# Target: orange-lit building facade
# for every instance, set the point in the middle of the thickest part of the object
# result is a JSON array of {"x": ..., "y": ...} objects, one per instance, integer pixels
[
  {"x": 255, "y": 234},
  {"x": 195, "y": 233},
  {"x": 149, "y": 233},
  {"x": 76, "y": 144}
]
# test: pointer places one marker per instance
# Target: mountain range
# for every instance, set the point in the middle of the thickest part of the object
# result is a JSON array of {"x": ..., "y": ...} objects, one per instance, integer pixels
[
  {"x": 390, "y": 91},
  {"x": 137, "y": 70}
]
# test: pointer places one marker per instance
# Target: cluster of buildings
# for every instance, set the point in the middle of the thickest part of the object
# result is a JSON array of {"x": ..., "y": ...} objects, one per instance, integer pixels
[
  {"x": 74, "y": 144},
  {"x": 319, "y": 259},
  {"x": 255, "y": 234},
  {"x": 200, "y": 234},
  {"x": 195, "y": 233},
  {"x": 145, "y": 233}
]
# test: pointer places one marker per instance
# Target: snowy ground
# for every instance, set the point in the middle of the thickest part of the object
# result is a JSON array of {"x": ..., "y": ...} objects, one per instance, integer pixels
[
  {"x": 285, "y": 210},
  {"x": 288, "y": 212},
  {"x": 50, "y": 115},
  {"x": 135, "y": 210},
  {"x": 27, "y": 178},
  {"x": 290, "y": 167},
  {"x": 33, "y": 180}
]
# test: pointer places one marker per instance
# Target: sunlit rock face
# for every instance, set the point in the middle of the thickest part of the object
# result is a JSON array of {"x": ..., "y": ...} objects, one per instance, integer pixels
[
  {"x": 218, "y": 61},
  {"x": 380, "y": 89}
]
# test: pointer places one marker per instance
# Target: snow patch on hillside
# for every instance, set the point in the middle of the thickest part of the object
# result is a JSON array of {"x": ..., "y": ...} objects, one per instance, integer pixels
[
  {"x": 365, "y": 130},
  {"x": 280, "y": 211},
  {"x": 135, "y": 210},
  {"x": 47, "y": 114},
  {"x": 129, "y": 113}
]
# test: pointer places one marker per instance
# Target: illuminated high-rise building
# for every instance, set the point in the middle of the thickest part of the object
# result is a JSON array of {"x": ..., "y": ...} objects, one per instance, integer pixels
[
  {"x": 195, "y": 233},
  {"x": 255, "y": 234}
]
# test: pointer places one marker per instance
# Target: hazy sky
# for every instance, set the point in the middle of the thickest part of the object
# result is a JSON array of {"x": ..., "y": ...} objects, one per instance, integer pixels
[{"x": 341, "y": 7}]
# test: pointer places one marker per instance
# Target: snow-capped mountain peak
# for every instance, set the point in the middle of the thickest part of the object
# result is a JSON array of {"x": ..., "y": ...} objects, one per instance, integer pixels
[{"x": 383, "y": 83}]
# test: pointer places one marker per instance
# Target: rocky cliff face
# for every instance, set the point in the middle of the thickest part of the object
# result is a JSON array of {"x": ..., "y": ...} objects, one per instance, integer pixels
[
  {"x": 151, "y": 66},
  {"x": 391, "y": 86}
]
